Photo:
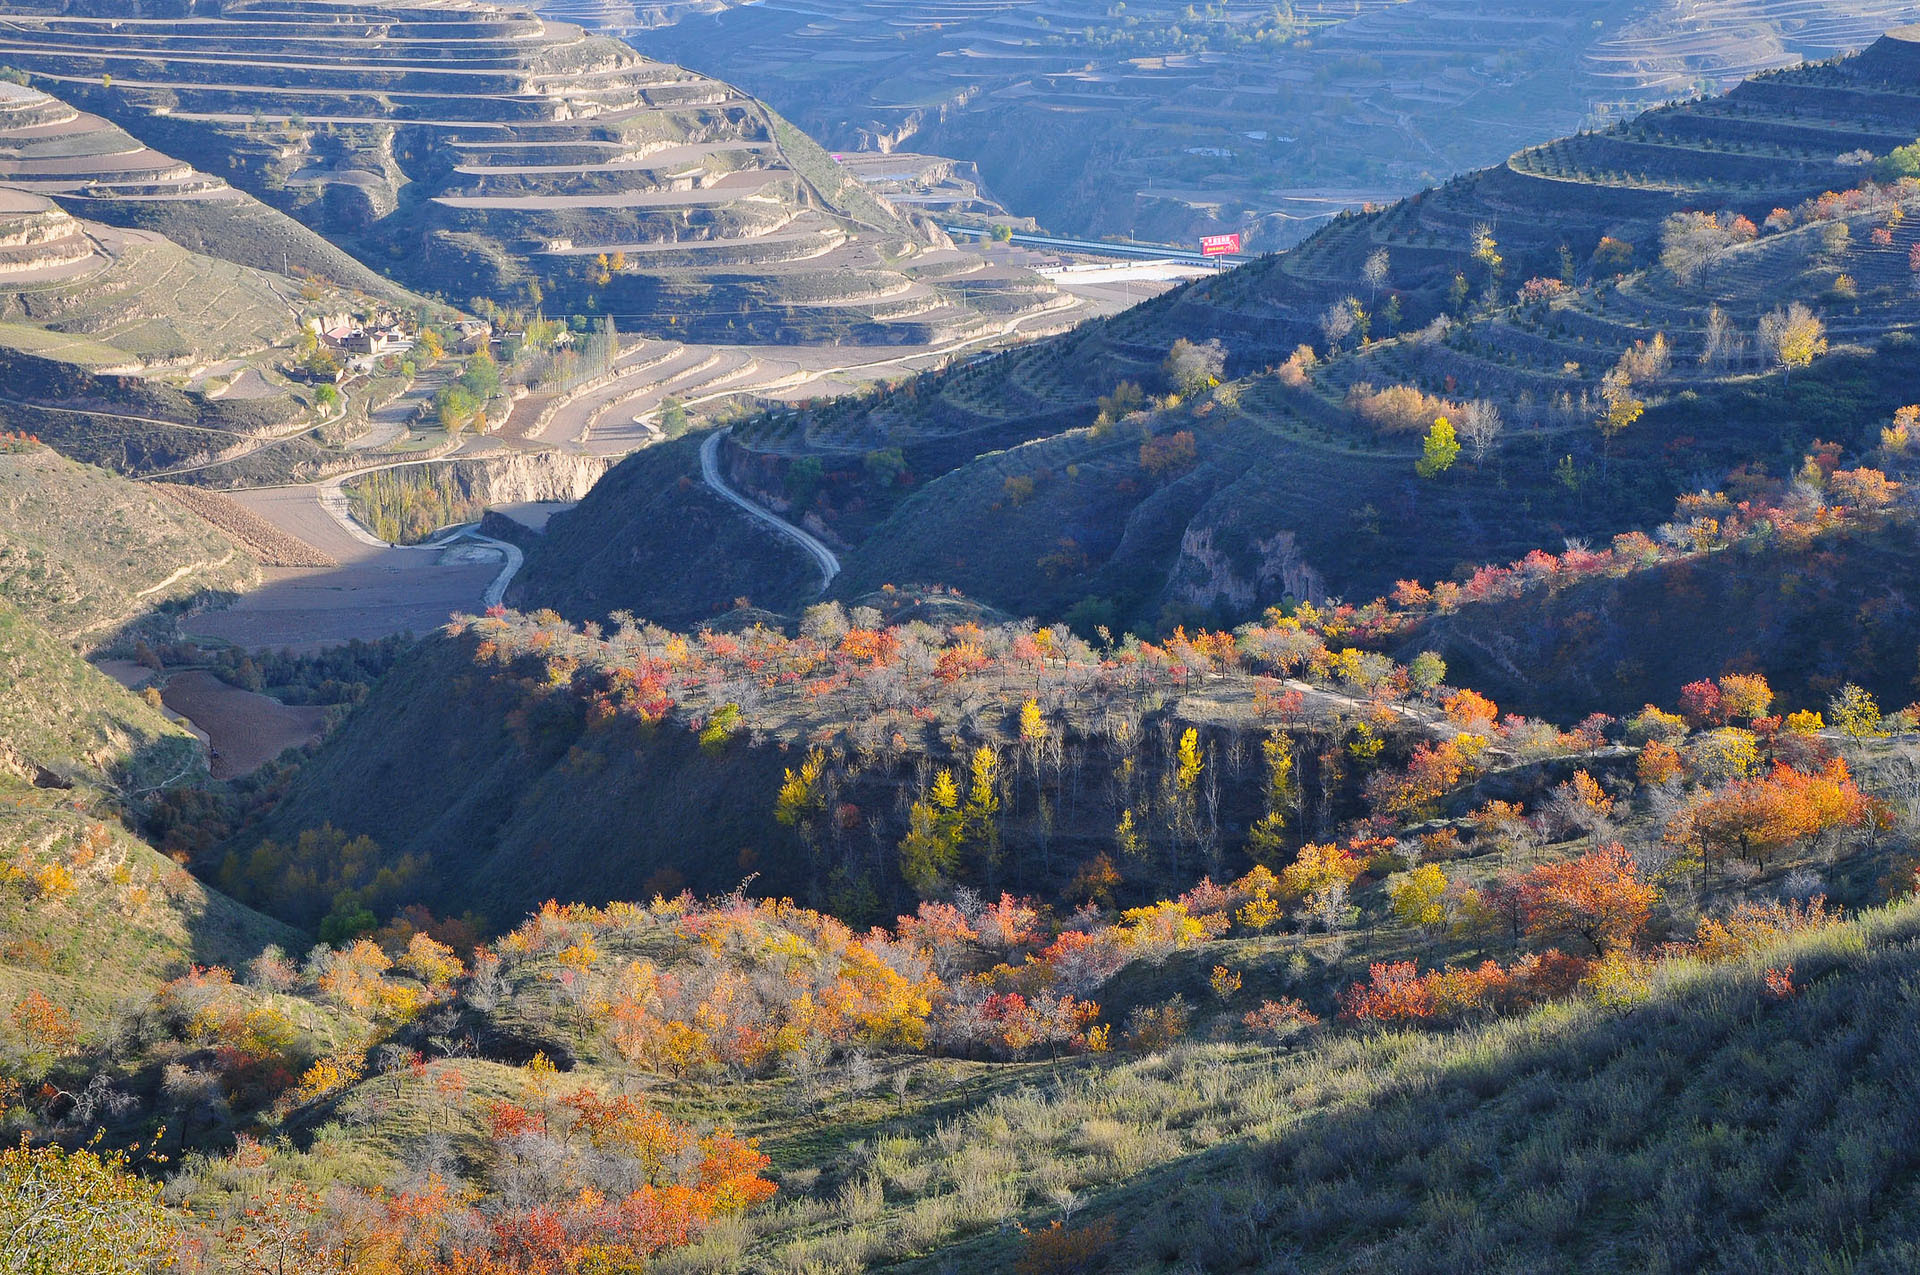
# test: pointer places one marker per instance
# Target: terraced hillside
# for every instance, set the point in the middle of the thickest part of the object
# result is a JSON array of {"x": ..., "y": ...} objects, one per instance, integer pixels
[
  {"x": 94, "y": 170},
  {"x": 1298, "y": 476},
  {"x": 1167, "y": 120},
  {"x": 474, "y": 150},
  {"x": 147, "y": 316},
  {"x": 1774, "y": 141}
]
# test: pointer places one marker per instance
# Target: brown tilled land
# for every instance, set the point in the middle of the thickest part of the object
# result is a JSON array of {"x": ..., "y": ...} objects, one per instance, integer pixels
[
  {"x": 272, "y": 546},
  {"x": 367, "y": 591},
  {"x": 245, "y": 730}
]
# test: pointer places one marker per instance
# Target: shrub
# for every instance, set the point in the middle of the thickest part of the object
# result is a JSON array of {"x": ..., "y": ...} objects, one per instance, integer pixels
[
  {"x": 1157, "y": 1026},
  {"x": 1397, "y": 409}
]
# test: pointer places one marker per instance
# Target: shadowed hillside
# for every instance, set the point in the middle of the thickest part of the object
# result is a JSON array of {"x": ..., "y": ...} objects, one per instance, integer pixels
[{"x": 1597, "y": 348}]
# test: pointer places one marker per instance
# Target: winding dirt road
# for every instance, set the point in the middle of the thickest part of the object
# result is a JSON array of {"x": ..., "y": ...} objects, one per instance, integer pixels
[{"x": 828, "y": 562}]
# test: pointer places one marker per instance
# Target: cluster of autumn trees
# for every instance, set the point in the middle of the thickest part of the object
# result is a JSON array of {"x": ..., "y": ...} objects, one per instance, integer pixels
[
  {"x": 1822, "y": 497},
  {"x": 570, "y": 1178},
  {"x": 241, "y": 1046},
  {"x": 1726, "y": 781},
  {"x": 753, "y": 985},
  {"x": 1007, "y": 728},
  {"x": 1599, "y": 889},
  {"x": 575, "y": 1180},
  {"x": 573, "y": 1177},
  {"x": 749, "y": 986}
]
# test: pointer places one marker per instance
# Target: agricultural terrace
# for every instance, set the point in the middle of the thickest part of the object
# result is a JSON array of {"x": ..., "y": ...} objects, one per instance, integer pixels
[
  {"x": 542, "y": 163},
  {"x": 1165, "y": 121}
]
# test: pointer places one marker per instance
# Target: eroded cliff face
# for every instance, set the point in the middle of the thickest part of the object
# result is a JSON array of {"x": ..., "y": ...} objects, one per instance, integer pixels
[
  {"x": 523, "y": 476},
  {"x": 1272, "y": 569}
]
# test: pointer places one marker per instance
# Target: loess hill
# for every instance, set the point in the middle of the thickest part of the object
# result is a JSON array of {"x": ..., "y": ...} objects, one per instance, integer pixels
[
  {"x": 473, "y": 150},
  {"x": 1297, "y": 475},
  {"x": 88, "y": 553},
  {"x": 1165, "y": 121},
  {"x": 899, "y": 935},
  {"x": 145, "y": 309}
]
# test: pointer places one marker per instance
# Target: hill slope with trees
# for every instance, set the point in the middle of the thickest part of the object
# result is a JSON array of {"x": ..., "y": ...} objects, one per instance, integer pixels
[
  {"x": 1594, "y": 339},
  {"x": 1555, "y": 908}
]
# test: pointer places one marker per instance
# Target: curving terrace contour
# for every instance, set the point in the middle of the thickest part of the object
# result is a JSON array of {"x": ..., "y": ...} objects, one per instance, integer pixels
[{"x": 472, "y": 150}]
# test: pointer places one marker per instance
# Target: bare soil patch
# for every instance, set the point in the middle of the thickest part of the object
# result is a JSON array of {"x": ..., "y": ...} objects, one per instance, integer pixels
[
  {"x": 368, "y": 591},
  {"x": 272, "y": 546},
  {"x": 244, "y": 730},
  {"x": 533, "y": 514}
]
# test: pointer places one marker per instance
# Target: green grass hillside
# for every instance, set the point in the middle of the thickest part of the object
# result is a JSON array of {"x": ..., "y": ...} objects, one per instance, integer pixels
[
  {"x": 118, "y": 922},
  {"x": 68, "y": 723},
  {"x": 86, "y": 552}
]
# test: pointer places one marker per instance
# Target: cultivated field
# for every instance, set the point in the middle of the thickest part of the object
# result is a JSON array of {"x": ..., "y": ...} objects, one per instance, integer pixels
[
  {"x": 244, "y": 730},
  {"x": 1167, "y": 120},
  {"x": 541, "y": 163},
  {"x": 371, "y": 591}
]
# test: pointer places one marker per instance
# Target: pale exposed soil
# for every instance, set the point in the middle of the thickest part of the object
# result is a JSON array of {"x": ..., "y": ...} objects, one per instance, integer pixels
[{"x": 370, "y": 592}]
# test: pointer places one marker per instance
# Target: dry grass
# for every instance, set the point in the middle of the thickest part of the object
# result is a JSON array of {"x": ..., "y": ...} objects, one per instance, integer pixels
[
  {"x": 272, "y": 546},
  {"x": 1713, "y": 1128}
]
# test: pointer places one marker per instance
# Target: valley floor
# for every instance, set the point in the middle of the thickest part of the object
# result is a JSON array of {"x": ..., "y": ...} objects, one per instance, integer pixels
[{"x": 375, "y": 590}]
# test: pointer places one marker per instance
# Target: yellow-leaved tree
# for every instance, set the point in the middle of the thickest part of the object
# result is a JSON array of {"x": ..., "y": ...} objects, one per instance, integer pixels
[{"x": 65, "y": 1212}]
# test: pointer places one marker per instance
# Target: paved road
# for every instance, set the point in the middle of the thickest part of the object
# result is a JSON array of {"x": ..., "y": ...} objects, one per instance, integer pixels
[
  {"x": 710, "y": 471},
  {"x": 1102, "y": 248}
]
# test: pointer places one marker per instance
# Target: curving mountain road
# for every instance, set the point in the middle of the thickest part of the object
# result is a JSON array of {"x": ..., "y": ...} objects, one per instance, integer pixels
[{"x": 710, "y": 472}]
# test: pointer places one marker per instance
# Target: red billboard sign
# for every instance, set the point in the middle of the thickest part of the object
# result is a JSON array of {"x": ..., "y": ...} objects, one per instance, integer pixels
[{"x": 1219, "y": 245}]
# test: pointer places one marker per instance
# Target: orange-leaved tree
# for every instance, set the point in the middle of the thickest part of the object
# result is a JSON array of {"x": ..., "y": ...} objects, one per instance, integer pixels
[{"x": 1599, "y": 896}]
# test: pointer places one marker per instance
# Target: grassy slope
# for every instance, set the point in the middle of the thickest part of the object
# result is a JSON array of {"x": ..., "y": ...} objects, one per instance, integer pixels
[
  {"x": 1713, "y": 1128},
  {"x": 134, "y": 920},
  {"x": 246, "y": 231},
  {"x": 85, "y": 551},
  {"x": 651, "y": 539},
  {"x": 66, "y": 717},
  {"x": 1358, "y": 513},
  {"x": 1281, "y": 462}
]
